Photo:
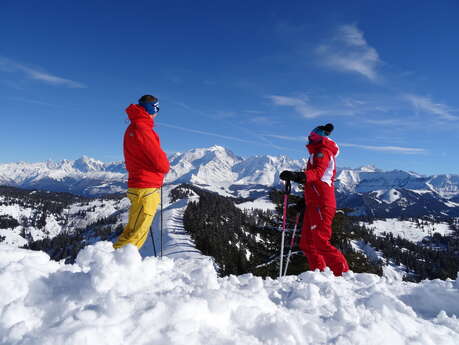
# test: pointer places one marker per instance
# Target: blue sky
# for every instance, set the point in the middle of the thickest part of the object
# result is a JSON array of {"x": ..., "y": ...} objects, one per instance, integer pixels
[{"x": 253, "y": 76}]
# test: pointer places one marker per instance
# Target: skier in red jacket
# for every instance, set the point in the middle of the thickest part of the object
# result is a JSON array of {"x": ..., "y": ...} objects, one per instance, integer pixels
[
  {"x": 319, "y": 195},
  {"x": 147, "y": 165}
]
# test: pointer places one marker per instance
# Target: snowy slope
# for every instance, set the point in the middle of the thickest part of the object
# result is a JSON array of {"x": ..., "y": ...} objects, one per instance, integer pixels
[
  {"x": 176, "y": 242},
  {"x": 78, "y": 215},
  {"x": 114, "y": 297},
  {"x": 409, "y": 230}
]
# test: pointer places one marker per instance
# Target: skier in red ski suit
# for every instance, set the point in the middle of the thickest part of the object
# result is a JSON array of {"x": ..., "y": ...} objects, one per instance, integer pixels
[{"x": 319, "y": 195}]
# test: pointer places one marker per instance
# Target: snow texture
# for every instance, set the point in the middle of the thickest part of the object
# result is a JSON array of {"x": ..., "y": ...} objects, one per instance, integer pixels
[
  {"x": 263, "y": 203},
  {"x": 176, "y": 242},
  {"x": 116, "y": 297},
  {"x": 408, "y": 230},
  {"x": 95, "y": 210},
  {"x": 390, "y": 269}
]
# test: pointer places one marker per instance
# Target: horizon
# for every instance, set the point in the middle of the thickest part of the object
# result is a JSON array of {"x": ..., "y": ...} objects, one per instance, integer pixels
[{"x": 385, "y": 79}]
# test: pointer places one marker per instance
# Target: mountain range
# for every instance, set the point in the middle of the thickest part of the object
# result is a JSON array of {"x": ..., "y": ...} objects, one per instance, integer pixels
[{"x": 367, "y": 190}]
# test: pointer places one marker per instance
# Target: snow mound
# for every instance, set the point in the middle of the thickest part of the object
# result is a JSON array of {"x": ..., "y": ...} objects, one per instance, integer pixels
[{"x": 116, "y": 297}]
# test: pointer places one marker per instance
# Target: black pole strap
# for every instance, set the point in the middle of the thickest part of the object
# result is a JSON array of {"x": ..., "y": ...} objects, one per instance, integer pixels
[{"x": 288, "y": 187}]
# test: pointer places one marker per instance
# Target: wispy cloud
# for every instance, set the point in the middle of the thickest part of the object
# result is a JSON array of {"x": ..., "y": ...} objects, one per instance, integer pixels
[
  {"x": 222, "y": 115},
  {"x": 263, "y": 120},
  {"x": 393, "y": 149},
  {"x": 196, "y": 131},
  {"x": 300, "y": 105},
  {"x": 426, "y": 104},
  {"x": 33, "y": 101},
  {"x": 288, "y": 138},
  {"x": 349, "y": 51},
  {"x": 353, "y": 103},
  {"x": 255, "y": 112},
  {"x": 184, "y": 106},
  {"x": 390, "y": 149},
  {"x": 191, "y": 109},
  {"x": 384, "y": 122},
  {"x": 261, "y": 140},
  {"x": 8, "y": 65}
]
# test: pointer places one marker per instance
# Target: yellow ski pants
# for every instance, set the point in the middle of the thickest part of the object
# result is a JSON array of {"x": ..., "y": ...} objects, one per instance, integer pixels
[{"x": 144, "y": 202}]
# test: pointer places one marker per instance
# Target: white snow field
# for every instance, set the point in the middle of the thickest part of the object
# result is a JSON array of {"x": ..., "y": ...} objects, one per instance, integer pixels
[
  {"x": 117, "y": 298},
  {"x": 408, "y": 230}
]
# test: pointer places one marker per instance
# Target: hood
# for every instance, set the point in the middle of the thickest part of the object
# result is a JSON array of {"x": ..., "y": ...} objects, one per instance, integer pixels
[
  {"x": 325, "y": 143},
  {"x": 138, "y": 115}
]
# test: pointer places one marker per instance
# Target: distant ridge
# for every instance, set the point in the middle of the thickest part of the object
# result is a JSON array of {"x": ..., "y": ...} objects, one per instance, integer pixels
[{"x": 366, "y": 189}]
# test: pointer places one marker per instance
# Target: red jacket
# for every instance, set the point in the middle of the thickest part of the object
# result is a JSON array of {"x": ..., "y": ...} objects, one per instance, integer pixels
[
  {"x": 146, "y": 162},
  {"x": 320, "y": 173}
]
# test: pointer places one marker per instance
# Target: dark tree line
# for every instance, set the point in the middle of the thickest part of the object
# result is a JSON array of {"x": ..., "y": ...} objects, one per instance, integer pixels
[
  {"x": 437, "y": 257},
  {"x": 8, "y": 222},
  {"x": 42, "y": 204},
  {"x": 66, "y": 245}
]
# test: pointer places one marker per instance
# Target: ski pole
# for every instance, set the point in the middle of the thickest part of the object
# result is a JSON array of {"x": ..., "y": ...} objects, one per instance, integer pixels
[
  {"x": 288, "y": 188},
  {"x": 161, "y": 222},
  {"x": 152, "y": 241},
  {"x": 292, "y": 242}
]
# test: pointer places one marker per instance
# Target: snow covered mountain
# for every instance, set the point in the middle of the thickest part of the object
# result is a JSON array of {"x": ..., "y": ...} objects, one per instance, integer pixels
[
  {"x": 367, "y": 189},
  {"x": 369, "y": 179},
  {"x": 214, "y": 167},
  {"x": 393, "y": 193},
  {"x": 84, "y": 176},
  {"x": 218, "y": 169}
]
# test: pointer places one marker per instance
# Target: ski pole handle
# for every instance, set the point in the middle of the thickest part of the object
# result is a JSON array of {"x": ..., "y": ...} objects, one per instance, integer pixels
[{"x": 288, "y": 187}]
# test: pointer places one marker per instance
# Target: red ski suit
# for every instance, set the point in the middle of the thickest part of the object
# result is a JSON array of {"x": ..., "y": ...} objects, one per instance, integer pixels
[
  {"x": 146, "y": 162},
  {"x": 319, "y": 194}
]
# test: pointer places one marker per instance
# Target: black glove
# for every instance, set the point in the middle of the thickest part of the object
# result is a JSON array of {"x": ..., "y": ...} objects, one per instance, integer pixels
[
  {"x": 295, "y": 176},
  {"x": 300, "y": 205}
]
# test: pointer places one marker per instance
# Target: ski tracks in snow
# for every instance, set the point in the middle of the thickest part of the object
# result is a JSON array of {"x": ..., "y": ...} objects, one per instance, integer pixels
[{"x": 176, "y": 242}]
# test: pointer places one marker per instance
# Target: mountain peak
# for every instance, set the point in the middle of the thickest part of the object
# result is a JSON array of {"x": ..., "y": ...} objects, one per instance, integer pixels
[
  {"x": 217, "y": 148},
  {"x": 368, "y": 168},
  {"x": 87, "y": 164}
]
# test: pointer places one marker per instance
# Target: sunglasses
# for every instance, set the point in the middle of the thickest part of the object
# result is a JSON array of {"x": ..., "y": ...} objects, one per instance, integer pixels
[{"x": 156, "y": 105}]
